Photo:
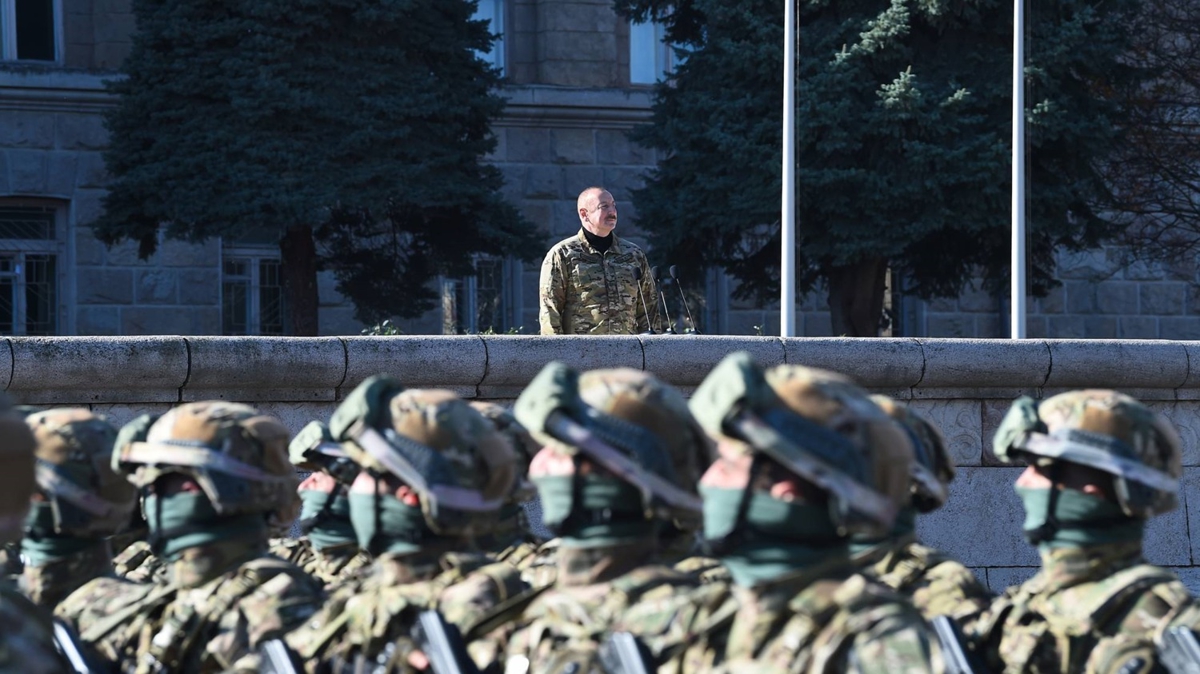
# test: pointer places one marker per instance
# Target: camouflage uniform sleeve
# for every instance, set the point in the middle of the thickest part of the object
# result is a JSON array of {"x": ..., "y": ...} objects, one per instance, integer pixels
[
  {"x": 650, "y": 292},
  {"x": 552, "y": 294},
  {"x": 280, "y": 604},
  {"x": 899, "y": 644}
]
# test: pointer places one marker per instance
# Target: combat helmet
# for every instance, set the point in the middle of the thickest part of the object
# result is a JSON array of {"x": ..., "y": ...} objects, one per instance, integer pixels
[
  {"x": 74, "y": 472},
  {"x": 1101, "y": 429},
  {"x": 629, "y": 423},
  {"x": 236, "y": 454},
  {"x": 16, "y": 472},
  {"x": 460, "y": 467},
  {"x": 933, "y": 467},
  {"x": 817, "y": 425}
]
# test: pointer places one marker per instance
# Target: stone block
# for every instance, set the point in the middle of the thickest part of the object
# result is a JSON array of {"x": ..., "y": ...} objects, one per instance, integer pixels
[
  {"x": 125, "y": 254},
  {"x": 1190, "y": 576},
  {"x": 528, "y": 145},
  {"x": 978, "y": 300},
  {"x": 1179, "y": 327},
  {"x": 943, "y": 304},
  {"x": 566, "y": 220},
  {"x": 78, "y": 370},
  {"x": 984, "y": 363},
  {"x": 60, "y": 174},
  {"x": 1190, "y": 494},
  {"x": 543, "y": 182},
  {"x": 179, "y": 253},
  {"x": 1000, "y": 578},
  {"x": 1100, "y": 327},
  {"x": 513, "y": 361},
  {"x": 572, "y": 73},
  {"x": 993, "y": 414},
  {"x": 961, "y": 423},
  {"x": 78, "y": 28},
  {"x": 5, "y": 187},
  {"x": 148, "y": 320},
  {"x": 26, "y": 129},
  {"x": 6, "y": 362},
  {"x": 80, "y": 131},
  {"x": 1137, "y": 327},
  {"x": 110, "y": 55},
  {"x": 88, "y": 206},
  {"x": 27, "y": 171},
  {"x": 327, "y": 291},
  {"x": 615, "y": 147},
  {"x": 540, "y": 213},
  {"x": 1167, "y": 542},
  {"x": 1184, "y": 415},
  {"x": 115, "y": 26},
  {"x": 580, "y": 46},
  {"x": 1141, "y": 270},
  {"x": 1162, "y": 299},
  {"x": 1091, "y": 264},
  {"x": 457, "y": 362},
  {"x": 199, "y": 286},
  {"x": 98, "y": 321},
  {"x": 578, "y": 178},
  {"x": 98, "y": 285},
  {"x": 1037, "y": 327},
  {"x": 295, "y": 414},
  {"x": 1117, "y": 297},
  {"x": 120, "y": 414},
  {"x": 685, "y": 360},
  {"x": 981, "y": 522},
  {"x": 575, "y": 17},
  {"x": 340, "y": 321},
  {"x": 1115, "y": 364},
  {"x": 91, "y": 171},
  {"x": 265, "y": 368},
  {"x": 621, "y": 182},
  {"x": 950, "y": 325},
  {"x": 1053, "y": 301},
  {"x": 574, "y": 146},
  {"x": 1081, "y": 297},
  {"x": 874, "y": 363},
  {"x": 88, "y": 249},
  {"x": 991, "y": 326},
  {"x": 818, "y": 324},
  {"x": 156, "y": 286},
  {"x": 1064, "y": 327}
]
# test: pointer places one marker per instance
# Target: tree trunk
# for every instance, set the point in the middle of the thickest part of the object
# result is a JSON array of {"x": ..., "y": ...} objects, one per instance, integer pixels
[
  {"x": 298, "y": 257},
  {"x": 856, "y": 297}
]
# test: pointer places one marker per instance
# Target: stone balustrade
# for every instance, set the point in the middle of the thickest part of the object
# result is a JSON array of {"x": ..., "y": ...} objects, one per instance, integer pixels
[{"x": 963, "y": 385}]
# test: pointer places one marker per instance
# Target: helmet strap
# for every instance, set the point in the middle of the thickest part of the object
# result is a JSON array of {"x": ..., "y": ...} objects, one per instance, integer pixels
[{"x": 309, "y": 523}]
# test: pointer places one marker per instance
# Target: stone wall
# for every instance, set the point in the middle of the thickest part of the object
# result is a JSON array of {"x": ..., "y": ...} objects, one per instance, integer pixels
[{"x": 963, "y": 385}]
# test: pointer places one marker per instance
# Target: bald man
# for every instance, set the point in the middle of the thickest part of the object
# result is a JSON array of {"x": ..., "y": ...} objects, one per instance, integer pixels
[{"x": 589, "y": 283}]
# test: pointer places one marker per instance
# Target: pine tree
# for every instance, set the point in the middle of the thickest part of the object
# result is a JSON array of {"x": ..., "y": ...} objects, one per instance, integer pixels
[
  {"x": 282, "y": 116},
  {"x": 902, "y": 143}
]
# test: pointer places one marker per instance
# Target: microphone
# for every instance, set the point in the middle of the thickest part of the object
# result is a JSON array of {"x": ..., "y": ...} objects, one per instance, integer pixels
[
  {"x": 637, "y": 277},
  {"x": 658, "y": 282},
  {"x": 671, "y": 271}
]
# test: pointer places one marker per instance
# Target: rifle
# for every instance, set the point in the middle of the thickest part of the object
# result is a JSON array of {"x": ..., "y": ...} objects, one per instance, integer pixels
[
  {"x": 71, "y": 647},
  {"x": 622, "y": 653},
  {"x": 1179, "y": 651},
  {"x": 442, "y": 644},
  {"x": 276, "y": 658},
  {"x": 950, "y": 640}
]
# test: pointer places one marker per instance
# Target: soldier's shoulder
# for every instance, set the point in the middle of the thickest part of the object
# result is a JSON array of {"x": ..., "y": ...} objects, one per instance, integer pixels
[{"x": 571, "y": 244}]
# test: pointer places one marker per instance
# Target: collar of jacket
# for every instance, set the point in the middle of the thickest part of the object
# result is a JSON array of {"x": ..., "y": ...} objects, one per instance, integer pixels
[
  {"x": 615, "y": 248},
  {"x": 1064, "y": 567}
]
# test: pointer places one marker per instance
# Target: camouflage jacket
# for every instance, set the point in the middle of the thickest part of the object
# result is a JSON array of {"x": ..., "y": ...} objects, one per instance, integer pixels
[
  {"x": 198, "y": 620},
  {"x": 328, "y": 566},
  {"x": 1088, "y": 610},
  {"x": 584, "y": 292},
  {"x": 50, "y": 583},
  {"x": 826, "y": 619},
  {"x": 26, "y": 636},
  {"x": 936, "y": 583},
  {"x": 139, "y": 564},
  {"x": 368, "y": 618}
]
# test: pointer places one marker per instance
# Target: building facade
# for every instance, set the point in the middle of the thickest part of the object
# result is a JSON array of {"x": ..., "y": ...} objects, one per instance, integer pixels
[{"x": 578, "y": 78}]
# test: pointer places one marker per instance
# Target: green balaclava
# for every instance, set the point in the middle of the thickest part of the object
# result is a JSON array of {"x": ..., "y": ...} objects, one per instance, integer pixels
[
  {"x": 609, "y": 511},
  {"x": 327, "y": 517},
  {"x": 41, "y": 544},
  {"x": 188, "y": 519},
  {"x": 1082, "y": 519},
  {"x": 774, "y": 538},
  {"x": 383, "y": 523}
]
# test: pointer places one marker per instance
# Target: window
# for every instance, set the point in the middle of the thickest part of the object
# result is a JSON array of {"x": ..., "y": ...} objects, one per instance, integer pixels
[
  {"x": 483, "y": 302},
  {"x": 493, "y": 11},
  {"x": 30, "y": 30},
  {"x": 251, "y": 292},
  {"x": 650, "y": 58},
  {"x": 29, "y": 267}
]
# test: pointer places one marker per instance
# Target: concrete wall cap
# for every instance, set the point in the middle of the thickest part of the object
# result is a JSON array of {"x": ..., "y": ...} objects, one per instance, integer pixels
[
  {"x": 889, "y": 363},
  {"x": 456, "y": 362},
  {"x": 685, "y": 360},
  {"x": 6, "y": 364},
  {"x": 264, "y": 368},
  {"x": 981, "y": 363},
  {"x": 1117, "y": 364},
  {"x": 513, "y": 360},
  {"x": 50, "y": 370}
]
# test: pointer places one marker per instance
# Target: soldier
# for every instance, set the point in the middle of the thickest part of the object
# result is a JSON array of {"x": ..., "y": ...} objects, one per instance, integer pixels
[
  {"x": 26, "y": 633},
  {"x": 805, "y": 460},
  {"x": 511, "y": 540},
  {"x": 328, "y": 550},
  {"x": 78, "y": 503},
  {"x": 1100, "y": 464},
  {"x": 596, "y": 283},
  {"x": 133, "y": 559},
  {"x": 215, "y": 478},
  {"x": 627, "y": 479},
  {"x": 936, "y": 583},
  {"x": 434, "y": 474}
]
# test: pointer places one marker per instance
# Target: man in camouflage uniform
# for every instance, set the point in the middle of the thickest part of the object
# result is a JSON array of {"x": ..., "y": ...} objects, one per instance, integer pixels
[
  {"x": 626, "y": 479},
  {"x": 805, "y": 460},
  {"x": 936, "y": 583},
  {"x": 133, "y": 559},
  {"x": 26, "y": 633},
  {"x": 589, "y": 283},
  {"x": 1099, "y": 465},
  {"x": 216, "y": 478},
  {"x": 434, "y": 474},
  {"x": 328, "y": 550},
  {"x": 78, "y": 503}
]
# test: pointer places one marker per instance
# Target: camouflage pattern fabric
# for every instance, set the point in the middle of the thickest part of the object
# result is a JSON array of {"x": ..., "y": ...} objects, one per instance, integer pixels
[
  {"x": 705, "y": 569},
  {"x": 138, "y": 563},
  {"x": 368, "y": 618},
  {"x": 936, "y": 583},
  {"x": 10, "y": 563},
  {"x": 50, "y": 583},
  {"x": 584, "y": 292},
  {"x": 328, "y": 566},
  {"x": 197, "y": 621},
  {"x": 26, "y": 636},
  {"x": 1088, "y": 610}
]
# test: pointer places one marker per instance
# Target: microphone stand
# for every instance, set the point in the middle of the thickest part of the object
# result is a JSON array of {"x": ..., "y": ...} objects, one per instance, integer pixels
[
  {"x": 675, "y": 278},
  {"x": 637, "y": 277},
  {"x": 658, "y": 282}
]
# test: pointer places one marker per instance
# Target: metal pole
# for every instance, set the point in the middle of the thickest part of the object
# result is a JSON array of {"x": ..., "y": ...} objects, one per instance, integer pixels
[
  {"x": 1017, "y": 303},
  {"x": 787, "y": 276}
]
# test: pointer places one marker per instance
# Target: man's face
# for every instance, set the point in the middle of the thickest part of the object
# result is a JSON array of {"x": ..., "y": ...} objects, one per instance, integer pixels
[{"x": 599, "y": 213}]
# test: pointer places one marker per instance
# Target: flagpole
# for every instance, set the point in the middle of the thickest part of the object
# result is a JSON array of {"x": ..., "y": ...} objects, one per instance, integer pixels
[
  {"x": 787, "y": 276},
  {"x": 1017, "y": 302}
]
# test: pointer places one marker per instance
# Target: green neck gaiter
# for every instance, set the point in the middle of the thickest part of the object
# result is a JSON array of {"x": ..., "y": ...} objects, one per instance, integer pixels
[
  {"x": 776, "y": 537},
  {"x": 609, "y": 511},
  {"x": 1084, "y": 520},
  {"x": 188, "y": 519},
  {"x": 41, "y": 545},
  {"x": 906, "y": 523},
  {"x": 399, "y": 528},
  {"x": 331, "y": 527}
]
